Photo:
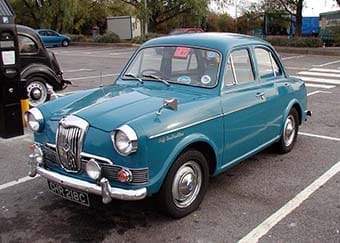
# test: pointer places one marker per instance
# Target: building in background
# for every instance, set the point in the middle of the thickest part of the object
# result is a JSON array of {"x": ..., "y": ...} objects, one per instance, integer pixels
[{"x": 126, "y": 27}]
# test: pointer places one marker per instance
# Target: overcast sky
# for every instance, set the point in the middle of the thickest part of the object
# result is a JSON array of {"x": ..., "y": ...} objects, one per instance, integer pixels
[{"x": 313, "y": 7}]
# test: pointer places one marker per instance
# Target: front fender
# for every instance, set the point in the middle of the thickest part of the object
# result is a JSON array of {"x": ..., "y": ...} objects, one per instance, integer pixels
[
  {"x": 157, "y": 181},
  {"x": 43, "y": 71}
]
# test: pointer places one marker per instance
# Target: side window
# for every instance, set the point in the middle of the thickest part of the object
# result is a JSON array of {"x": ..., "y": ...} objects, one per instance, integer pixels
[
  {"x": 27, "y": 45},
  {"x": 239, "y": 69},
  {"x": 267, "y": 66}
]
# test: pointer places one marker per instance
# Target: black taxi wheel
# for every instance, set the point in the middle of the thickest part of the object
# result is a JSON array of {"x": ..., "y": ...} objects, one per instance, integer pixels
[
  {"x": 185, "y": 184},
  {"x": 289, "y": 133},
  {"x": 37, "y": 91}
]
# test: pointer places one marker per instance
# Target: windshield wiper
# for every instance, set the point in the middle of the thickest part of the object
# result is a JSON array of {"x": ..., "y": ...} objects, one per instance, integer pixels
[
  {"x": 156, "y": 78},
  {"x": 131, "y": 75}
]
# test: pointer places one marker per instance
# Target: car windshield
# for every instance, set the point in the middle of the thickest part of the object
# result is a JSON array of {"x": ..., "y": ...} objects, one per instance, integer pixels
[{"x": 175, "y": 64}]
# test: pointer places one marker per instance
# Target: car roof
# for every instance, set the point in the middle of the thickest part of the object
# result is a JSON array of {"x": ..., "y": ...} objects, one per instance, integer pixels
[
  {"x": 211, "y": 40},
  {"x": 27, "y": 30}
]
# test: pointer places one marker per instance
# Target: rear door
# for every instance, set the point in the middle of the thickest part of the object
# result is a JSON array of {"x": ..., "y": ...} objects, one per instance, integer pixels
[{"x": 274, "y": 85}]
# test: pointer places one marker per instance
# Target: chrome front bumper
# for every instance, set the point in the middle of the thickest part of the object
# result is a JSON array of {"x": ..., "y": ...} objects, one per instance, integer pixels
[{"x": 103, "y": 188}]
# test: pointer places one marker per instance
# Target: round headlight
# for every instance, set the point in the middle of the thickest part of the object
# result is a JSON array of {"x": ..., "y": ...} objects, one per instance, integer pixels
[
  {"x": 93, "y": 169},
  {"x": 124, "y": 140},
  {"x": 34, "y": 119}
]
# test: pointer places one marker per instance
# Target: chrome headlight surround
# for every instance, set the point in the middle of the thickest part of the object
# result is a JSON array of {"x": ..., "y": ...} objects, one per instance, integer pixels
[
  {"x": 124, "y": 140},
  {"x": 34, "y": 119}
]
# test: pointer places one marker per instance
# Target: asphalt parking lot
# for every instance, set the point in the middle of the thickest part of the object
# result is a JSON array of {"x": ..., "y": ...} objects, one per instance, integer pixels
[{"x": 269, "y": 197}]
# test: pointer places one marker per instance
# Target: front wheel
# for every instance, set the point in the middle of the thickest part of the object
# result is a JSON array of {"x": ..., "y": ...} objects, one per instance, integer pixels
[
  {"x": 290, "y": 132},
  {"x": 37, "y": 91},
  {"x": 185, "y": 184}
]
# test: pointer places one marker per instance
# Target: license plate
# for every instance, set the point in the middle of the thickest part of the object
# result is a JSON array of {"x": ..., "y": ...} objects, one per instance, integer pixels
[{"x": 70, "y": 194}]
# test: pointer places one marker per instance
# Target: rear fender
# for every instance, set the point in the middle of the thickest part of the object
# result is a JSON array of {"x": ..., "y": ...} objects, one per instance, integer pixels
[{"x": 40, "y": 70}]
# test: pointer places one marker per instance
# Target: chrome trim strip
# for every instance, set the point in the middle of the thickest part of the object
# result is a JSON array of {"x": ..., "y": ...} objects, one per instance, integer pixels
[
  {"x": 53, "y": 146},
  {"x": 184, "y": 127},
  {"x": 114, "y": 192},
  {"x": 92, "y": 156}
]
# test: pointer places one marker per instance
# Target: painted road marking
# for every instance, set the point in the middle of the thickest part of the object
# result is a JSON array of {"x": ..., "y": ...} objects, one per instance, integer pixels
[
  {"x": 328, "y": 63},
  {"x": 319, "y": 136},
  {"x": 317, "y": 92},
  {"x": 98, "y": 76},
  {"x": 325, "y": 70},
  {"x": 319, "y": 74},
  {"x": 19, "y": 181},
  {"x": 78, "y": 70},
  {"x": 293, "y": 57},
  {"x": 319, "y": 80},
  {"x": 323, "y": 86},
  {"x": 269, "y": 223}
]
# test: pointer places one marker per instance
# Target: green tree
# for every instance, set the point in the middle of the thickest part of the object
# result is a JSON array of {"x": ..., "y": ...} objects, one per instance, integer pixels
[
  {"x": 67, "y": 15},
  {"x": 225, "y": 23}
]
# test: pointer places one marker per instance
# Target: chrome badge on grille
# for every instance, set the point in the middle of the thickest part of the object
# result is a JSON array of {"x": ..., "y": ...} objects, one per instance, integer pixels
[{"x": 70, "y": 136}]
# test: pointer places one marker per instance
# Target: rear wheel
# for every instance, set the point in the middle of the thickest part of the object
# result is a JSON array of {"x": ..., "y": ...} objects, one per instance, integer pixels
[
  {"x": 37, "y": 91},
  {"x": 290, "y": 132},
  {"x": 185, "y": 184},
  {"x": 65, "y": 43}
]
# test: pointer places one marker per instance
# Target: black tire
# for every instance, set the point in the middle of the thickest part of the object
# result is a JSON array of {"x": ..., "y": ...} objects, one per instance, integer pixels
[
  {"x": 65, "y": 43},
  {"x": 37, "y": 91},
  {"x": 184, "y": 169},
  {"x": 289, "y": 132}
]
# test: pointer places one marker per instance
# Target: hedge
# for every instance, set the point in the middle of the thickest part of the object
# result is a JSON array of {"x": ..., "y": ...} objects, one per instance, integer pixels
[
  {"x": 295, "y": 41},
  {"x": 108, "y": 37}
]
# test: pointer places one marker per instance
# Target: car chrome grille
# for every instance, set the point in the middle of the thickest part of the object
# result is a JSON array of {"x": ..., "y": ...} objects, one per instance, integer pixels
[{"x": 70, "y": 136}]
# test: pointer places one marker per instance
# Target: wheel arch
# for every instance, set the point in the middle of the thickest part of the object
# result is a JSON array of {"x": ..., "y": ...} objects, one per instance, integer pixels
[
  {"x": 199, "y": 142},
  {"x": 42, "y": 71},
  {"x": 296, "y": 105}
]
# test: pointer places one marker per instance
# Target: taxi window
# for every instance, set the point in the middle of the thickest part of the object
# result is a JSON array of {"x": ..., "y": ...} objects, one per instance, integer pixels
[
  {"x": 267, "y": 66},
  {"x": 239, "y": 69},
  {"x": 27, "y": 45}
]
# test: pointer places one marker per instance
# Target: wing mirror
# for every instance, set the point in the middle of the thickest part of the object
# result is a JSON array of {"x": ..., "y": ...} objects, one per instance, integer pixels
[{"x": 170, "y": 104}]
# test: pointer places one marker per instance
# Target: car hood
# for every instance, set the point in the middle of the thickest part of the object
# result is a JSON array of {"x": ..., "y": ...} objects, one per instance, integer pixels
[{"x": 113, "y": 106}]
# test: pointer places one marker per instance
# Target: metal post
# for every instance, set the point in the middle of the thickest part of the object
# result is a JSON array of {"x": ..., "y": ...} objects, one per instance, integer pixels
[{"x": 146, "y": 19}]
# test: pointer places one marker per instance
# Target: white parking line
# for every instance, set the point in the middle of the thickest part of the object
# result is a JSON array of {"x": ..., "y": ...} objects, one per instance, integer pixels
[
  {"x": 78, "y": 70},
  {"x": 293, "y": 57},
  {"x": 317, "y": 92},
  {"x": 319, "y": 80},
  {"x": 323, "y": 86},
  {"x": 269, "y": 223},
  {"x": 324, "y": 70},
  {"x": 330, "y": 75},
  {"x": 98, "y": 76},
  {"x": 319, "y": 136},
  {"x": 328, "y": 63},
  {"x": 19, "y": 181}
]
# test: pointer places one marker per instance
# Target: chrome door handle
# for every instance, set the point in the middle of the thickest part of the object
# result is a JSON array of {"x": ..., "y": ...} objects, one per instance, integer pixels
[
  {"x": 260, "y": 95},
  {"x": 287, "y": 84}
]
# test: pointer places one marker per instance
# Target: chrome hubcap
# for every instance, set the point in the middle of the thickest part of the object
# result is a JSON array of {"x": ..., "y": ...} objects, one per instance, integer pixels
[
  {"x": 37, "y": 93},
  {"x": 187, "y": 184},
  {"x": 289, "y": 131}
]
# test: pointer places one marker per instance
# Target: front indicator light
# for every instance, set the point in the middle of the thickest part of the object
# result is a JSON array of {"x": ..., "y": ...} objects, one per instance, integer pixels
[
  {"x": 93, "y": 169},
  {"x": 125, "y": 175}
]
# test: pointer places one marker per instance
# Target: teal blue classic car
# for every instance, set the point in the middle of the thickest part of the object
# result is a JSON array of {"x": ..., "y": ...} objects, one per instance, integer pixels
[{"x": 184, "y": 108}]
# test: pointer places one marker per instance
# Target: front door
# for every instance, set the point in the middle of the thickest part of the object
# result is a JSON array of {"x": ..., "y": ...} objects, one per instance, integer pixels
[{"x": 242, "y": 102}]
